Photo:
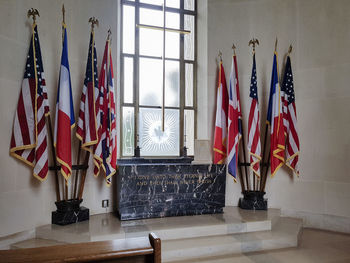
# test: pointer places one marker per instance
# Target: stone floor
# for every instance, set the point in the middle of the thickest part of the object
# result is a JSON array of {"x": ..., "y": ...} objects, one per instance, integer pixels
[{"x": 314, "y": 246}]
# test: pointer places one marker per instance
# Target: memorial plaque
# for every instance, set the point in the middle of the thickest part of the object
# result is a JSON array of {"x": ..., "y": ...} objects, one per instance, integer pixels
[{"x": 146, "y": 190}]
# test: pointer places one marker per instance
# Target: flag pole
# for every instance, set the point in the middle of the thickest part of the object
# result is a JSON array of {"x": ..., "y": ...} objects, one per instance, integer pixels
[
  {"x": 93, "y": 22},
  {"x": 33, "y": 13},
  {"x": 267, "y": 164}
]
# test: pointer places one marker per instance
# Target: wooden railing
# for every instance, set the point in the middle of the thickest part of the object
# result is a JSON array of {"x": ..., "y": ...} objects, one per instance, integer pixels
[{"x": 135, "y": 250}]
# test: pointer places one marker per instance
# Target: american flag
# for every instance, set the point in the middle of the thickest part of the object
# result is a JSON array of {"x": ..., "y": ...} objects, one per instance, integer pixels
[
  {"x": 106, "y": 148},
  {"x": 275, "y": 119},
  {"x": 220, "y": 150},
  {"x": 87, "y": 123},
  {"x": 290, "y": 119},
  {"x": 234, "y": 120},
  {"x": 254, "y": 145},
  {"x": 29, "y": 134}
]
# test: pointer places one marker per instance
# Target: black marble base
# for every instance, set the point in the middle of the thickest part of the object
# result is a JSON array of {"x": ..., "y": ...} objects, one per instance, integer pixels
[
  {"x": 69, "y": 212},
  {"x": 253, "y": 200},
  {"x": 146, "y": 190}
]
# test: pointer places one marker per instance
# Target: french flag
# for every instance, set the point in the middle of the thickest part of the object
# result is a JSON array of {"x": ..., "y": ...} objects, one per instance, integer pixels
[
  {"x": 64, "y": 121},
  {"x": 275, "y": 119}
]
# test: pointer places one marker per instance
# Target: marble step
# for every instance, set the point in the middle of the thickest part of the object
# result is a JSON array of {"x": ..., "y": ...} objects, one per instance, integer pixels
[
  {"x": 285, "y": 233},
  {"x": 35, "y": 242},
  {"x": 108, "y": 227}
]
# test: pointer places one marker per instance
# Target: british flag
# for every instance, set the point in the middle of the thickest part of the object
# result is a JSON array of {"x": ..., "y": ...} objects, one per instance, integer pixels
[
  {"x": 234, "y": 120},
  {"x": 87, "y": 123},
  {"x": 106, "y": 149},
  {"x": 254, "y": 145},
  {"x": 29, "y": 134},
  {"x": 290, "y": 119}
]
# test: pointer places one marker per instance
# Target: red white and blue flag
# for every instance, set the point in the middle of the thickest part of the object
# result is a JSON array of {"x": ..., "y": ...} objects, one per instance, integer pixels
[
  {"x": 65, "y": 120},
  {"x": 220, "y": 140},
  {"x": 87, "y": 123},
  {"x": 234, "y": 120},
  {"x": 254, "y": 145},
  {"x": 290, "y": 119},
  {"x": 29, "y": 134},
  {"x": 275, "y": 120},
  {"x": 105, "y": 153}
]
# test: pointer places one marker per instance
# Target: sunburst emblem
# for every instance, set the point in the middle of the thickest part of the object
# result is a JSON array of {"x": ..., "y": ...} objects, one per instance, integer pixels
[{"x": 155, "y": 141}]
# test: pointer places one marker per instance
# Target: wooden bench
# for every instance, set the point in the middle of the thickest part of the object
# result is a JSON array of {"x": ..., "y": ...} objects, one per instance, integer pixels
[{"x": 136, "y": 250}]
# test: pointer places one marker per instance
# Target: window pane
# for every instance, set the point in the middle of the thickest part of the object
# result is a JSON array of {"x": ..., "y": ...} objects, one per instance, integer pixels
[
  {"x": 173, "y": 3},
  {"x": 172, "y": 20},
  {"x": 172, "y": 83},
  {"x": 151, "y": 42},
  {"x": 128, "y": 29},
  {"x": 189, "y": 38},
  {"x": 189, "y": 5},
  {"x": 153, "y": 2},
  {"x": 151, "y": 82},
  {"x": 172, "y": 45},
  {"x": 155, "y": 142},
  {"x": 189, "y": 131},
  {"x": 151, "y": 17},
  {"x": 189, "y": 84},
  {"x": 128, "y": 79},
  {"x": 128, "y": 131}
]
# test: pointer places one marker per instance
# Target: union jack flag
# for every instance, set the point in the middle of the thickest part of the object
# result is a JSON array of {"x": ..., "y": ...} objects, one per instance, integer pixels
[
  {"x": 234, "y": 120},
  {"x": 29, "y": 134},
  {"x": 87, "y": 123},
  {"x": 254, "y": 145},
  {"x": 290, "y": 119},
  {"x": 106, "y": 149}
]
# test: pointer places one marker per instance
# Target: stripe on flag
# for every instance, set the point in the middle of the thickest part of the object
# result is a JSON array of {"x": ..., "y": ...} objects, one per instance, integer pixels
[
  {"x": 275, "y": 120},
  {"x": 290, "y": 119},
  {"x": 220, "y": 150},
  {"x": 87, "y": 123},
  {"x": 64, "y": 120},
  {"x": 254, "y": 145},
  {"x": 29, "y": 134}
]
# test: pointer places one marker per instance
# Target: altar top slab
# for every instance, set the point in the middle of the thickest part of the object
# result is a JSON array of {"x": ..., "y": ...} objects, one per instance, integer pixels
[{"x": 108, "y": 226}]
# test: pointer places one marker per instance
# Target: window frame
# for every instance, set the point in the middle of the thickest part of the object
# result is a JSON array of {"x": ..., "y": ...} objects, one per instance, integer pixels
[{"x": 136, "y": 63}]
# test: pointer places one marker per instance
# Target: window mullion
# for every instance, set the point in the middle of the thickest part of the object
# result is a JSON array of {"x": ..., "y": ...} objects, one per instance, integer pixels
[
  {"x": 136, "y": 74},
  {"x": 182, "y": 80}
]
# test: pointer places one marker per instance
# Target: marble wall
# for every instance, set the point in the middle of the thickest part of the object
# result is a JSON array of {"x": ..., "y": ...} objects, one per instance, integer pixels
[
  {"x": 24, "y": 202},
  {"x": 319, "y": 31}
]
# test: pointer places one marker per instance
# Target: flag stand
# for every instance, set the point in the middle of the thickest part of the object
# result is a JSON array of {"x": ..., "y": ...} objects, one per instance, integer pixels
[
  {"x": 253, "y": 196},
  {"x": 68, "y": 210}
]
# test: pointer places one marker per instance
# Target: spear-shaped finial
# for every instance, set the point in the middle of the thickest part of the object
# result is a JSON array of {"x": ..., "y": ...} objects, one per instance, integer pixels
[
  {"x": 33, "y": 13},
  {"x": 276, "y": 44},
  {"x": 93, "y": 22},
  {"x": 220, "y": 56},
  {"x": 234, "y": 49},
  {"x": 63, "y": 13},
  {"x": 109, "y": 34},
  {"x": 290, "y": 49},
  {"x": 253, "y": 42}
]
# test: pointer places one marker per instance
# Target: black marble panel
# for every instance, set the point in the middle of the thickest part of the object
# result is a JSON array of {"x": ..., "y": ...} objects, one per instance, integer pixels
[{"x": 157, "y": 190}]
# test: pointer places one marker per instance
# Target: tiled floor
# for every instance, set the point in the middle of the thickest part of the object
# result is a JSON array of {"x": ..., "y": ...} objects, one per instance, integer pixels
[{"x": 315, "y": 246}]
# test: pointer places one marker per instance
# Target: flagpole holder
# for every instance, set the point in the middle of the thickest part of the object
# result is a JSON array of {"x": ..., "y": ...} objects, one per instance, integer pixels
[
  {"x": 69, "y": 212},
  {"x": 253, "y": 200}
]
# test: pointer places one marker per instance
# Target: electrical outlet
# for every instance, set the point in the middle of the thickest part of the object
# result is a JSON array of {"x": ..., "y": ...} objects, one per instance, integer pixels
[{"x": 105, "y": 203}]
